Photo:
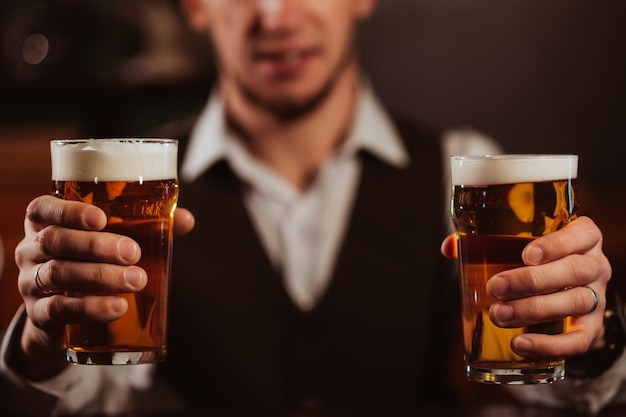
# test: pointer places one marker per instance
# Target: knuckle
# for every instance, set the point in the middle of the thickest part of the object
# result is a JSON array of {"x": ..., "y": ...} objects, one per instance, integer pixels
[
  {"x": 73, "y": 307},
  {"x": 42, "y": 240},
  {"x": 558, "y": 240},
  {"x": 533, "y": 281},
  {"x": 20, "y": 253},
  {"x": 579, "y": 300},
  {"x": 581, "y": 268},
  {"x": 101, "y": 273},
  {"x": 580, "y": 344},
  {"x": 94, "y": 243},
  {"x": 54, "y": 306},
  {"x": 24, "y": 284},
  {"x": 42, "y": 209},
  {"x": 603, "y": 267},
  {"x": 44, "y": 311},
  {"x": 590, "y": 226},
  {"x": 54, "y": 271},
  {"x": 32, "y": 210},
  {"x": 541, "y": 307}
]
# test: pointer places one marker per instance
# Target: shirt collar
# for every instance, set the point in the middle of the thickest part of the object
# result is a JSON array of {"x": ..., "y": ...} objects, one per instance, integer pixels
[
  {"x": 372, "y": 131},
  {"x": 208, "y": 139}
]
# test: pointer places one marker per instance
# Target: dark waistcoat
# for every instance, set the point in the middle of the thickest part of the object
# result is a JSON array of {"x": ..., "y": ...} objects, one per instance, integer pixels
[{"x": 379, "y": 338}]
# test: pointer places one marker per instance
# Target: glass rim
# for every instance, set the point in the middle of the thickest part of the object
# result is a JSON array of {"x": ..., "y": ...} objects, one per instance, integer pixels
[
  {"x": 115, "y": 140},
  {"x": 511, "y": 156}
]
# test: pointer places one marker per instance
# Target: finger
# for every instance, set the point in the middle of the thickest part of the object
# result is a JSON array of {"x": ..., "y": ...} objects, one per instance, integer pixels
[
  {"x": 47, "y": 210},
  {"x": 60, "y": 242},
  {"x": 577, "y": 301},
  {"x": 580, "y": 236},
  {"x": 573, "y": 271},
  {"x": 184, "y": 221},
  {"x": 43, "y": 289},
  {"x": 50, "y": 312},
  {"x": 535, "y": 345},
  {"x": 58, "y": 276},
  {"x": 449, "y": 247}
]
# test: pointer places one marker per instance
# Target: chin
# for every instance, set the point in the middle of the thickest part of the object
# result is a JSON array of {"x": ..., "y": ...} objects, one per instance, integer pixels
[
  {"x": 292, "y": 108},
  {"x": 287, "y": 103}
]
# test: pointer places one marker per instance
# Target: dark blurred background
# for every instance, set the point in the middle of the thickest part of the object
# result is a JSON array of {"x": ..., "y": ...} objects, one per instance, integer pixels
[{"x": 538, "y": 76}]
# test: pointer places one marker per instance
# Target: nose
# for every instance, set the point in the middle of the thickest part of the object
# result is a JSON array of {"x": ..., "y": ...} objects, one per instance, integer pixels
[{"x": 278, "y": 14}]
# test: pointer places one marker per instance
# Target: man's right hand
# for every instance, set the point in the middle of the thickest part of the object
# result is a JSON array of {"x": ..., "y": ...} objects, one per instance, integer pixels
[{"x": 63, "y": 249}]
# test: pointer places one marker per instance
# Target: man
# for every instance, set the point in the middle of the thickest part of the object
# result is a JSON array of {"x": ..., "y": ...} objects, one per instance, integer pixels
[{"x": 311, "y": 279}]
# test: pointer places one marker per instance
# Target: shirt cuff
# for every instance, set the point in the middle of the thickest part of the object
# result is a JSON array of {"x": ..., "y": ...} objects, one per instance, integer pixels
[
  {"x": 587, "y": 395},
  {"x": 76, "y": 389},
  {"x": 25, "y": 396}
]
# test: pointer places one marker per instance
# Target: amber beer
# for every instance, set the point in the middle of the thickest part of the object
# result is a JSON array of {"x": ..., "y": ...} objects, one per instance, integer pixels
[
  {"x": 134, "y": 181},
  {"x": 499, "y": 204}
]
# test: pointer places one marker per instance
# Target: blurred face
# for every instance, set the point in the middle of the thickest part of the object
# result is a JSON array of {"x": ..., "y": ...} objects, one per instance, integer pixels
[{"x": 284, "y": 55}]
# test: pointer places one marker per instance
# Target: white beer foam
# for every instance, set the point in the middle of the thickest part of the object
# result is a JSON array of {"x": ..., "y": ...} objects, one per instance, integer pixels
[
  {"x": 510, "y": 169},
  {"x": 96, "y": 160}
]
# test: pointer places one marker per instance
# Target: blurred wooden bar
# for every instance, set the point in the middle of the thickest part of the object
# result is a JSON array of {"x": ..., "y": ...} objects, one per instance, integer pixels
[{"x": 24, "y": 174}]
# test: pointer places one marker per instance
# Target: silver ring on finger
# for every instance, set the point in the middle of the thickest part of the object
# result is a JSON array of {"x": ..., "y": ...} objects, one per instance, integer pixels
[
  {"x": 42, "y": 288},
  {"x": 595, "y": 299}
]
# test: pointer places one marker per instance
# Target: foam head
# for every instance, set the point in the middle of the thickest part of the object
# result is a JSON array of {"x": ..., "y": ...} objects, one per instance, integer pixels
[
  {"x": 470, "y": 170},
  {"x": 114, "y": 159}
]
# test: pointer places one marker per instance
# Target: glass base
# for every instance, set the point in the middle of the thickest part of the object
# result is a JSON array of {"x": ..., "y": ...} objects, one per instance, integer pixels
[
  {"x": 115, "y": 358},
  {"x": 526, "y": 376}
]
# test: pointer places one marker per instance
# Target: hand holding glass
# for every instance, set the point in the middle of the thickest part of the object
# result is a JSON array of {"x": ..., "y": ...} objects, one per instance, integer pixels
[
  {"x": 134, "y": 181},
  {"x": 499, "y": 204}
]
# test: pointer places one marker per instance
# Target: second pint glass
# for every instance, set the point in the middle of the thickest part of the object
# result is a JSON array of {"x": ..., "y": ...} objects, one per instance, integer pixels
[
  {"x": 134, "y": 181},
  {"x": 499, "y": 204}
]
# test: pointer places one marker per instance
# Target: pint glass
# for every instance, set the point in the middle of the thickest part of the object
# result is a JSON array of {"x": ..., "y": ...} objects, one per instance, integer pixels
[
  {"x": 499, "y": 204},
  {"x": 134, "y": 181}
]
